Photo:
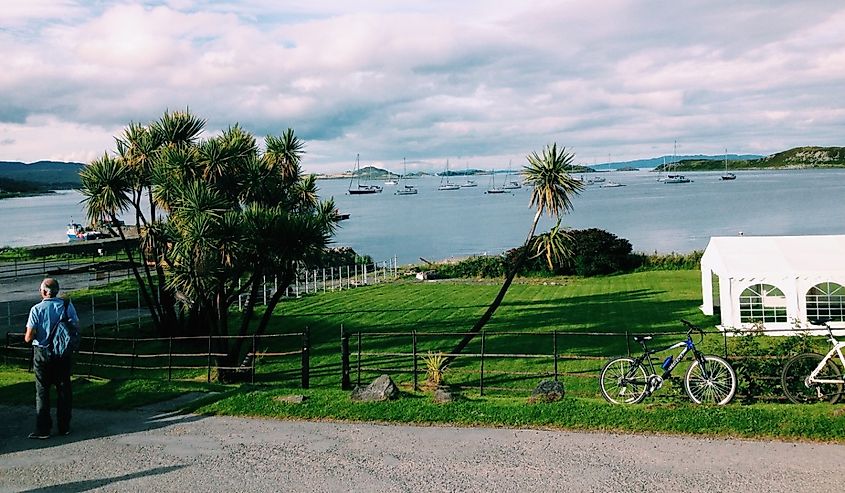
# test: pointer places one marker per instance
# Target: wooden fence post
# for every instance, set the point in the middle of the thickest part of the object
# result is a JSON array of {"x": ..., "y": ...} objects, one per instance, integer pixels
[
  {"x": 554, "y": 346},
  {"x": 481, "y": 373},
  {"x": 414, "y": 346},
  {"x": 170, "y": 359},
  {"x": 358, "y": 361},
  {"x": 306, "y": 353},
  {"x": 208, "y": 375},
  {"x": 254, "y": 360},
  {"x": 132, "y": 361},
  {"x": 628, "y": 343},
  {"x": 345, "y": 384}
]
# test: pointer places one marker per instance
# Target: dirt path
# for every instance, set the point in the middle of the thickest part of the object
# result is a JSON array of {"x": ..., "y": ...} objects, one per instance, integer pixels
[{"x": 150, "y": 450}]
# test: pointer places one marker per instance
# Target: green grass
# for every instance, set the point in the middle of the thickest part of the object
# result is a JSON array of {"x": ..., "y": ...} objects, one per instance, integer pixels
[
  {"x": 17, "y": 387},
  {"x": 640, "y": 302},
  {"x": 813, "y": 422}
]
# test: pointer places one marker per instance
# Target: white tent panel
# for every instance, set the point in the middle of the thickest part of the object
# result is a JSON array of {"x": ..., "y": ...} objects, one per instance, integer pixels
[{"x": 793, "y": 264}]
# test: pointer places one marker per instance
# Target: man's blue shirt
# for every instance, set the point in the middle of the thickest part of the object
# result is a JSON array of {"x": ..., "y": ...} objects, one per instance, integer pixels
[{"x": 45, "y": 315}]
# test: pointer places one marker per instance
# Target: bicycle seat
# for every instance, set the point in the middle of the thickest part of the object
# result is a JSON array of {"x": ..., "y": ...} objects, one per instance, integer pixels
[
  {"x": 642, "y": 338},
  {"x": 820, "y": 321}
]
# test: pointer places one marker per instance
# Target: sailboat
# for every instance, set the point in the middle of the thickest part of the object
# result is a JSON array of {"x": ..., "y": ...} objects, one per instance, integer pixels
[
  {"x": 511, "y": 184},
  {"x": 469, "y": 183},
  {"x": 493, "y": 189},
  {"x": 360, "y": 189},
  {"x": 448, "y": 185},
  {"x": 726, "y": 175},
  {"x": 673, "y": 179},
  {"x": 407, "y": 189}
]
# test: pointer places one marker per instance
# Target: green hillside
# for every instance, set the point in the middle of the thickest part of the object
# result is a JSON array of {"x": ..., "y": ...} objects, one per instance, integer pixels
[
  {"x": 53, "y": 174},
  {"x": 797, "y": 158}
]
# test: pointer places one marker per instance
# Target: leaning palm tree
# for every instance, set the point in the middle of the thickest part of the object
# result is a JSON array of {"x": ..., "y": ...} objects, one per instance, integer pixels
[{"x": 552, "y": 189}]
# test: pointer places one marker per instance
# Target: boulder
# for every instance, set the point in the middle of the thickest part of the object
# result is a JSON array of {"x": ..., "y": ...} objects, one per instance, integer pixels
[
  {"x": 443, "y": 396},
  {"x": 382, "y": 389},
  {"x": 547, "y": 391},
  {"x": 291, "y": 399}
]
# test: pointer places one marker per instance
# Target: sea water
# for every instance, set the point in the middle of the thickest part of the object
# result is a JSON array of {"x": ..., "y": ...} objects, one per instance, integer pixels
[{"x": 435, "y": 224}]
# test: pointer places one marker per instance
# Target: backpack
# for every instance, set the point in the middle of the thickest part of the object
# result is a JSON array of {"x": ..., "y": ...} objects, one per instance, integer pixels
[{"x": 64, "y": 338}]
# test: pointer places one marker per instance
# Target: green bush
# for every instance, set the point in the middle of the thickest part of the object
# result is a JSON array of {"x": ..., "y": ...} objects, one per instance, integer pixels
[
  {"x": 758, "y": 360},
  {"x": 662, "y": 261}
]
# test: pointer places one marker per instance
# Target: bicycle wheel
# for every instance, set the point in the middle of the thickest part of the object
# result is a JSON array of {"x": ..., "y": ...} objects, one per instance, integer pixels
[
  {"x": 711, "y": 383},
  {"x": 623, "y": 381},
  {"x": 796, "y": 372}
]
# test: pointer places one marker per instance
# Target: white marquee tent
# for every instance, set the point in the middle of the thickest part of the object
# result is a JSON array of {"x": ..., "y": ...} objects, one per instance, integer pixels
[{"x": 781, "y": 281}]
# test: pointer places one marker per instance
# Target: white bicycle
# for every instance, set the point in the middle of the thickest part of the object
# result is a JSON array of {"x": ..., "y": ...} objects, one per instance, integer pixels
[{"x": 811, "y": 377}]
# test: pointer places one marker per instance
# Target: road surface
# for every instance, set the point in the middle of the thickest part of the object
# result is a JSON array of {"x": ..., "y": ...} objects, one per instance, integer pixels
[{"x": 151, "y": 450}]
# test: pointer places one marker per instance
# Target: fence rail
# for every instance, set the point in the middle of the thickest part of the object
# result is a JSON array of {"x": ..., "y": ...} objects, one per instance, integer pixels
[
  {"x": 160, "y": 351},
  {"x": 362, "y": 358}
]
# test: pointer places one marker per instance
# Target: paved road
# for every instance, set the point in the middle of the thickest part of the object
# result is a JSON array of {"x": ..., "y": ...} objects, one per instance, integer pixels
[{"x": 148, "y": 450}]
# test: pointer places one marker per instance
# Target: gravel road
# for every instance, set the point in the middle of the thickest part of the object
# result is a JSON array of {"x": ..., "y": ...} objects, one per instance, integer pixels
[{"x": 151, "y": 450}]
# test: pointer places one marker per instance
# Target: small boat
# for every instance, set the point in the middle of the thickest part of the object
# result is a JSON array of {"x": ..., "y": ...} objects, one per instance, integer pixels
[
  {"x": 360, "y": 189},
  {"x": 597, "y": 179},
  {"x": 448, "y": 185},
  {"x": 673, "y": 179},
  {"x": 407, "y": 189},
  {"x": 469, "y": 184},
  {"x": 391, "y": 182},
  {"x": 511, "y": 184},
  {"x": 340, "y": 216},
  {"x": 611, "y": 184},
  {"x": 726, "y": 175},
  {"x": 77, "y": 232},
  {"x": 493, "y": 189},
  {"x": 670, "y": 179}
]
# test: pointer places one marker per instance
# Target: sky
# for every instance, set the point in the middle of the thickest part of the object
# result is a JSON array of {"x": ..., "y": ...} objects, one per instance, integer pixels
[{"x": 479, "y": 83}]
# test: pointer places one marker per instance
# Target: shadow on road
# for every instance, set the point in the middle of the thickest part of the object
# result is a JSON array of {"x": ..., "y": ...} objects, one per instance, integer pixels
[{"x": 98, "y": 483}]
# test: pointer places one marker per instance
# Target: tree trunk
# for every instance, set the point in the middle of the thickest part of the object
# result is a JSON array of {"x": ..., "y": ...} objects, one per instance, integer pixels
[
  {"x": 497, "y": 301},
  {"x": 141, "y": 287}
]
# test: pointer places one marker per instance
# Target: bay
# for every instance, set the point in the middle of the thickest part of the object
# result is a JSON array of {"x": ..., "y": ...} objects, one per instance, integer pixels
[{"x": 439, "y": 224}]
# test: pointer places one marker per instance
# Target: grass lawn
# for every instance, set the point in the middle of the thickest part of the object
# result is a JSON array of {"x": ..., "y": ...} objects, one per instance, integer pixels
[{"x": 646, "y": 302}]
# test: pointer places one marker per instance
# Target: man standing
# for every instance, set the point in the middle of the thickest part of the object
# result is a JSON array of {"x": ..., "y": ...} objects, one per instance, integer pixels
[{"x": 50, "y": 369}]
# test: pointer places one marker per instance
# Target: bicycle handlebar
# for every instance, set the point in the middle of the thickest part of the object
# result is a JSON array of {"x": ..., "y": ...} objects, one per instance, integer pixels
[{"x": 693, "y": 327}]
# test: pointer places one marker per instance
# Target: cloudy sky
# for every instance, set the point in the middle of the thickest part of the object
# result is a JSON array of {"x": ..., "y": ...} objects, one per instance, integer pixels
[{"x": 477, "y": 82}]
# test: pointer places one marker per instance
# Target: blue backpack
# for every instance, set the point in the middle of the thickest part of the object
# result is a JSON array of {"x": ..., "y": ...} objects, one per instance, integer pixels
[{"x": 64, "y": 337}]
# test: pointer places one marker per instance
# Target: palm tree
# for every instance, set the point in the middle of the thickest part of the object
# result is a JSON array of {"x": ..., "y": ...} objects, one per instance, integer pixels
[
  {"x": 222, "y": 216},
  {"x": 552, "y": 190}
]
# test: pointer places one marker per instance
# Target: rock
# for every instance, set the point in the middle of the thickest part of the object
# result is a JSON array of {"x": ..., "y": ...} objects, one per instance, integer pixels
[
  {"x": 443, "y": 396},
  {"x": 547, "y": 391},
  {"x": 291, "y": 399},
  {"x": 382, "y": 389}
]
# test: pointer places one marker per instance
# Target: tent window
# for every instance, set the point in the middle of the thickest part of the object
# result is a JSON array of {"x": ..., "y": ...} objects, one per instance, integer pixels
[
  {"x": 762, "y": 303},
  {"x": 826, "y": 300}
]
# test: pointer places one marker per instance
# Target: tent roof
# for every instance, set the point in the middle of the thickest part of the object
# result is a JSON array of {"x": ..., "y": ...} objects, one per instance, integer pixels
[{"x": 776, "y": 256}]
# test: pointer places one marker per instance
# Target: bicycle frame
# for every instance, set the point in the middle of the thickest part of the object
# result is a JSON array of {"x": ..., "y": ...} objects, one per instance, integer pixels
[
  {"x": 836, "y": 349},
  {"x": 686, "y": 346}
]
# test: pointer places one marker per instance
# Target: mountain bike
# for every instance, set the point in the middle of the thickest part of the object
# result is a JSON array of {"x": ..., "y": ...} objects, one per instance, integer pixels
[
  {"x": 709, "y": 379},
  {"x": 811, "y": 377}
]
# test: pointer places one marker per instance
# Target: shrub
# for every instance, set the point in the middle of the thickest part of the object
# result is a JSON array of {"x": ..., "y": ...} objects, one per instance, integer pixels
[
  {"x": 596, "y": 252},
  {"x": 670, "y": 261}
]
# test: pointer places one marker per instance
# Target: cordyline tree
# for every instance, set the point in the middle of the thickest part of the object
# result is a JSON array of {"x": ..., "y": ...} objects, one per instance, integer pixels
[
  {"x": 552, "y": 189},
  {"x": 215, "y": 216}
]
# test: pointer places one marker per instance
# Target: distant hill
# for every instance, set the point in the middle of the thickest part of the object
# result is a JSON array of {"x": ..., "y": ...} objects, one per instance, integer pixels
[
  {"x": 53, "y": 174},
  {"x": 797, "y": 158},
  {"x": 702, "y": 160}
]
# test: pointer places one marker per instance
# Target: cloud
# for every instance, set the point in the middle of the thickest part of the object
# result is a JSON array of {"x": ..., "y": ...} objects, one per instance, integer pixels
[{"x": 430, "y": 81}]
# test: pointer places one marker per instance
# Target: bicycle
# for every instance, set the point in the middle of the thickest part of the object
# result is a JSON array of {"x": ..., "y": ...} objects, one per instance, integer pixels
[
  {"x": 709, "y": 379},
  {"x": 811, "y": 377}
]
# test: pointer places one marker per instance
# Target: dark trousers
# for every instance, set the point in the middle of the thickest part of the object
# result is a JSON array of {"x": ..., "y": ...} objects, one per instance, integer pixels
[{"x": 51, "y": 371}]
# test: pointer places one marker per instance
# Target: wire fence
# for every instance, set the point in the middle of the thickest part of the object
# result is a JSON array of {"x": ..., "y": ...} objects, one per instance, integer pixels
[{"x": 126, "y": 309}]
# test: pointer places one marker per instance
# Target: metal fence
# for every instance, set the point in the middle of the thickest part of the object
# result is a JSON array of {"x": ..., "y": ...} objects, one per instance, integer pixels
[
  {"x": 15, "y": 269},
  {"x": 271, "y": 357},
  {"x": 124, "y": 310},
  {"x": 576, "y": 357}
]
